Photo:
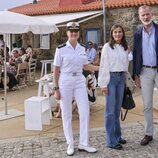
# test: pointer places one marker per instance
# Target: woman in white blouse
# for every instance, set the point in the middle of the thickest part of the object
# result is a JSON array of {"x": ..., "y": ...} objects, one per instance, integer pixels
[{"x": 113, "y": 65}]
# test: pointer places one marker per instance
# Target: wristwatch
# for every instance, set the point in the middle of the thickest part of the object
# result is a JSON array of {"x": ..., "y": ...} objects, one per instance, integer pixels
[{"x": 55, "y": 88}]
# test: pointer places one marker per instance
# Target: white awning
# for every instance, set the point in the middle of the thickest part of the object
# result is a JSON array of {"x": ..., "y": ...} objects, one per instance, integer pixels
[{"x": 62, "y": 18}]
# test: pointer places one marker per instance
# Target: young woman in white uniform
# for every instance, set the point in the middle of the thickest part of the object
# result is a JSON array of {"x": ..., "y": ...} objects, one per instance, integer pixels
[{"x": 69, "y": 61}]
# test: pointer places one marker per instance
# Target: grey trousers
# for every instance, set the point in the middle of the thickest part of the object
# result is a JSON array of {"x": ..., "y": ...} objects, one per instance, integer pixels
[{"x": 149, "y": 78}]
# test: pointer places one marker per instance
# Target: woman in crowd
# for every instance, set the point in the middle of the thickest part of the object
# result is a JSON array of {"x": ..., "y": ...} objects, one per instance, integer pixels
[
  {"x": 14, "y": 60},
  {"x": 29, "y": 53},
  {"x": 11, "y": 80},
  {"x": 23, "y": 54},
  {"x": 113, "y": 65}
]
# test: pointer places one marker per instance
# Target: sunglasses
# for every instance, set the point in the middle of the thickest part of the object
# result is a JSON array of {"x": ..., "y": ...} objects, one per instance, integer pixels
[{"x": 74, "y": 31}]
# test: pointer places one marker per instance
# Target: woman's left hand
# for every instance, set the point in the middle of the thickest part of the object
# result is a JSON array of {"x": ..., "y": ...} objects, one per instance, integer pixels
[{"x": 105, "y": 90}]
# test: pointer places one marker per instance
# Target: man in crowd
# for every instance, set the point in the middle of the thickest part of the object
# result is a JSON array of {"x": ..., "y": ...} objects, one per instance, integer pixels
[{"x": 91, "y": 52}]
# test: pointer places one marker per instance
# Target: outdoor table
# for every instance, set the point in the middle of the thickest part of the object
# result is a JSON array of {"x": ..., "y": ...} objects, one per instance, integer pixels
[
  {"x": 44, "y": 66},
  {"x": 45, "y": 88}
]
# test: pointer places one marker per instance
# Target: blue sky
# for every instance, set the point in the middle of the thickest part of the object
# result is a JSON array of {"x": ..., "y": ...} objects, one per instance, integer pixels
[{"x": 6, "y": 4}]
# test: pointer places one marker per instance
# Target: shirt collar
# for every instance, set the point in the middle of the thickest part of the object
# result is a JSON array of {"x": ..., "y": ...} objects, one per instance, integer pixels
[
  {"x": 151, "y": 28},
  {"x": 69, "y": 45}
]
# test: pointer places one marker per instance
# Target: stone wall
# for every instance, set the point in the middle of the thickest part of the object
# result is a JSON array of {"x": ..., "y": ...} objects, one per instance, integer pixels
[
  {"x": 96, "y": 23},
  {"x": 127, "y": 17},
  {"x": 155, "y": 13}
]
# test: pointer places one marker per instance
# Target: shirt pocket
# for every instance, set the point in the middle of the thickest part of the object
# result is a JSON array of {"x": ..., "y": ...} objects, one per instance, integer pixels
[{"x": 83, "y": 58}]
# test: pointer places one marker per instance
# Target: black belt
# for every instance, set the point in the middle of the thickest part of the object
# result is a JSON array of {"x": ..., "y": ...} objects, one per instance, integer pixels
[
  {"x": 117, "y": 72},
  {"x": 121, "y": 72},
  {"x": 152, "y": 67}
]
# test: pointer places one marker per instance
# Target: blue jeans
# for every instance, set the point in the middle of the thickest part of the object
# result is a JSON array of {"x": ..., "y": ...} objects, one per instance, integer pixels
[{"x": 113, "y": 108}]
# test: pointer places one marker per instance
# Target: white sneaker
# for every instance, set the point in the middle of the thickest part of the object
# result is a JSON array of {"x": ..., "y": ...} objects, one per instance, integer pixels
[
  {"x": 87, "y": 149},
  {"x": 70, "y": 150}
]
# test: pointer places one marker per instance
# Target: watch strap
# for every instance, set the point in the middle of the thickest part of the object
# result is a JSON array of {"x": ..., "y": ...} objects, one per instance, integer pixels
[{"x": 55, "y": 88}]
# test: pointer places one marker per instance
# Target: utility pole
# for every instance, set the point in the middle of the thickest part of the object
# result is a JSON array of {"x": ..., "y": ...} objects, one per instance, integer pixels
[{"x": 104, "y": 22}]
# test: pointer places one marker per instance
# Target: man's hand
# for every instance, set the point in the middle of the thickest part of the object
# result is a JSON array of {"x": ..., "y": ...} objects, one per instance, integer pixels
[{"x": 104, "y": 91}]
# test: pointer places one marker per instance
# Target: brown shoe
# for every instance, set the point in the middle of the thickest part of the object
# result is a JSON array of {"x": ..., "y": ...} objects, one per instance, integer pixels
[{"x": 146, "y": 140}]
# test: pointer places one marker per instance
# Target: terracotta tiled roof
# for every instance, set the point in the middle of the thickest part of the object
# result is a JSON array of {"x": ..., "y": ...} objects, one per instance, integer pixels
[
  {"x": 52, "y": 6},
  {"x": 129, "y": 3}
]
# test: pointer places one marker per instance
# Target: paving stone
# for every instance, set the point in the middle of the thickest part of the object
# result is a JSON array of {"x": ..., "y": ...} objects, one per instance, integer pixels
[{"x": 54, "y": 146}]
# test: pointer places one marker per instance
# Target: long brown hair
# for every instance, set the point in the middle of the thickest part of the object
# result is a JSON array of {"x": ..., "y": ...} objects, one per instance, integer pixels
[{"x": 123, "y": 40}]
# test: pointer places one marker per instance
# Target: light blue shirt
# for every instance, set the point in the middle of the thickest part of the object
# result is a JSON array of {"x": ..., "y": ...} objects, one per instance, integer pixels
[
  {"x": 91, "y": 54},
  {"x": 149, "y": 47}
]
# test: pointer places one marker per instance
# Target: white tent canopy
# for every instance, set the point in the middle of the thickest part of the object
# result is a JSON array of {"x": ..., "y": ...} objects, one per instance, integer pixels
[
  {"x": 14, "y": 23},
  {"x": 61, "y": 18}
]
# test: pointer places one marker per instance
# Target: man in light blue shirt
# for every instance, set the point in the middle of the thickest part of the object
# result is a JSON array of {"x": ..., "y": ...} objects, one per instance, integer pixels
[
  {"x": 148, "y": 46},
  {"x": 91, "y": 52},
  {"x": 145, "y": 66}
]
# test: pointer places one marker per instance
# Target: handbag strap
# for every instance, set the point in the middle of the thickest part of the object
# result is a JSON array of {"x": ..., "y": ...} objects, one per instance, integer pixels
[{"x": 123, "y": 117}]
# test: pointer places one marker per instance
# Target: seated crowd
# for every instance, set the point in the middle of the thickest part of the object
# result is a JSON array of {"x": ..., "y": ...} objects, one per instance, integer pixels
[{"x": 13, "y": 58}]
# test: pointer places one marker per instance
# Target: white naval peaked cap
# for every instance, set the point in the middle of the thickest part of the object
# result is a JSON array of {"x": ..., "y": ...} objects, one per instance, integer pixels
[{"x": 73, "y": 26}]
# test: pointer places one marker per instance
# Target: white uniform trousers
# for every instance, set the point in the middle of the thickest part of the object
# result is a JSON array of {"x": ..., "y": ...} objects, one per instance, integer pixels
[
  {"x": 149, "y": 78},
  {"x": 74, "y": 86}
]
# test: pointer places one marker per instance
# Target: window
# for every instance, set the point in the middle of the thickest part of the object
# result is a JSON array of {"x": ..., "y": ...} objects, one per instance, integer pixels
[
  {"x": 42, "y": 41},
  {"x": 45, "y": 41},
  {"x": 36, "y": 41},
  {"x": 93, "y": 35}
]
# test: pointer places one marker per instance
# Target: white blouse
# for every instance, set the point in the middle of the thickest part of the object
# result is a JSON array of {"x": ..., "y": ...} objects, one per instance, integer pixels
[{"x": 112, "y": 60}]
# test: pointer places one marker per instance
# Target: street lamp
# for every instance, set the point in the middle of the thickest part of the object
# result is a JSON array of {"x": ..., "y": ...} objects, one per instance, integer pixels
[{"x": 104, "y": 22}]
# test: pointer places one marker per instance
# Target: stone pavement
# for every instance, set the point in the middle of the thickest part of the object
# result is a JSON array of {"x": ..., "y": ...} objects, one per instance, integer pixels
[
  {"x": 16, "y": 142},
  {"x": 54, "y": 146}
]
